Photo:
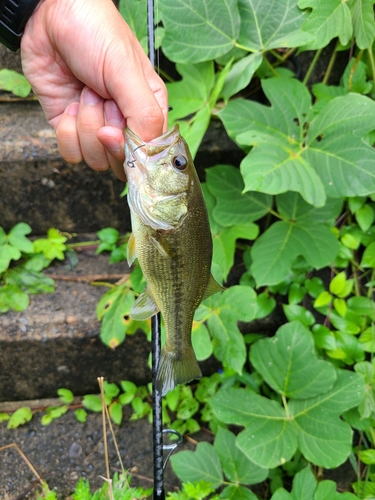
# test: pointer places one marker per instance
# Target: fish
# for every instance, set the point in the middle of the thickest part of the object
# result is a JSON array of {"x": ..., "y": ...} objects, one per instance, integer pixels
[{"x": 172, "y": 240}]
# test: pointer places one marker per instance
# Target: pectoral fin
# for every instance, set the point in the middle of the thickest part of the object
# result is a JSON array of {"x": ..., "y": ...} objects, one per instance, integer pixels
[
  {"x": 130, "y": 250},
  {"x": 144, "y": 307},
  {"x": 212, "y": 287},
  {"x": 162, "y": 245}
]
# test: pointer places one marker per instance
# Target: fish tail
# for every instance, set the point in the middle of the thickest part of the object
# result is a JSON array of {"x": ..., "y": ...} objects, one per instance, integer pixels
[{"x": 174, "y": 369}]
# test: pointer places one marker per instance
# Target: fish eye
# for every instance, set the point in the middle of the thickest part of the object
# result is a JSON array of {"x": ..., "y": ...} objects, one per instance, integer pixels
[{"x": 180, "y": 162}]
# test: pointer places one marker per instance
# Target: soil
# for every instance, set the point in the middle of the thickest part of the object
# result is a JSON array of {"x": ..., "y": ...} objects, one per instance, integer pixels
[{"x": 66, "y": 450}]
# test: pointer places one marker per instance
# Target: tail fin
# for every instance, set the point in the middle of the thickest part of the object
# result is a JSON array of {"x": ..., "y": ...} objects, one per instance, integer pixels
[{"x": 173, "y": 370}]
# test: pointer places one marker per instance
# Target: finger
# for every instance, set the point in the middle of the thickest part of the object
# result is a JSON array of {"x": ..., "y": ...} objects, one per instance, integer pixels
[
  {"x": 134, "y": 92},
  {"x": 89, "y": 120},
  {"x": 111, "y": 136},
  {"x": 67, "y": 135}
]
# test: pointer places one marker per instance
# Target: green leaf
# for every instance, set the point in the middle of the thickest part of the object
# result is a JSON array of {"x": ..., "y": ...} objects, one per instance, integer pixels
[
  {"x": 313, "y": 425},
  {"x": 224, "y": 244},
  {"x": 92, "y": 402},
  {"x": 365, "y": 217},
  {"x": 201, "y": 341},
  {"x": 264, "y": 26},
  {"x": 114, "y": 310},
  {"x": 296, "y": 312},
  {"x": 330, "y": 159},
  {"x": 11, "y": 297},
  {"x": 233, "y": 206},
  {"x": 354, "y": 78},
  {"x": 368, "y": 258},
  {"x": 135, "y": 14},
  {"x": 192, "y": 93},
  {"x": 288, "y": 363},
  {"x": 187, "y": 408},
  {"x": 17, "y": 238},
  {"x": 323, "y": 337},
  {"x": 111, "y": 390},
  {"x": 367, "y": 456},
  {"x": 237, "y": 492},
  {"x": 8, "y": 253},
  {"x": 30, "y": 281},
  {"x": 340, "y": 286},
  {"x": 363, "y": 22},
  {"x": 115, "y": 412},
  {"x": 241, "y": 74},
  {"x": 20, "y": 417},
  {"x": 81, "y": 415},
  {"x": 328, "y": 19},
  {"x": 296, "y": 293},
  {"x": 53, "y": 246},
  {"x": 367, "y": 339},
  {"x": 275, "y": 250},
  {"x": 14, "y": 82},
  {"x": 237, "y": 303},
  {"x": 264, "y": 417},
  {"x": 65, "y": 395},
  {"x": 4, "y": 417},
  {"x": 203, "y": 464},
  {"x": 198, "y": 30},
  {"x": 236, "y": 466}
]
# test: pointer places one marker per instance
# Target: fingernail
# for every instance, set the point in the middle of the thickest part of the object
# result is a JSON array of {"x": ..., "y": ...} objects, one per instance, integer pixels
[
  {"x": 113, "y": 114},
  {"x": 72, "y": 109},
  {"x": 90, "y": 97}
]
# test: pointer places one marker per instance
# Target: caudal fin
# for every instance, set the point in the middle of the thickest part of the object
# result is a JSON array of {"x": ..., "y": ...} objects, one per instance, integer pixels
[{"x": 174, "y": 370}]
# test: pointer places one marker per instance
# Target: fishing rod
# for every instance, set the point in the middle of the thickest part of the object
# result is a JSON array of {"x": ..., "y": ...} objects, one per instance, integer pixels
[{"x": 157, "y": 415}]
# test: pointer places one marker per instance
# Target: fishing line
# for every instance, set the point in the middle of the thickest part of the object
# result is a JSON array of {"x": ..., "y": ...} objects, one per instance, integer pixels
[{"x": 157, "y": 416}]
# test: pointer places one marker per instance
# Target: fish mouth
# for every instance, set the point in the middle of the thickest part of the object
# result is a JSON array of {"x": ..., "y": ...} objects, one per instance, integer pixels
[
  {"x": 155, "y": 145},
  {"x": 167, "y": 139}
]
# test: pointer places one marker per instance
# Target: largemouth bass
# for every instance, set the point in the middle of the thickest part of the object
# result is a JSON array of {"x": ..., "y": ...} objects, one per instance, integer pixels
[{"x": 172, "y": 240}]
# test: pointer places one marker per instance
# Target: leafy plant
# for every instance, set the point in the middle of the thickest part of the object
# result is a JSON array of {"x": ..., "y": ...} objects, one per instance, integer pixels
[{"x": 14, "y": 82}]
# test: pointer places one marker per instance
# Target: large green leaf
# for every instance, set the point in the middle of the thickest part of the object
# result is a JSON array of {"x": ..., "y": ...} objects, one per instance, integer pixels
[
  {"x": 289, "y": 364},
  {"x": 202, "y": 464},
  {"x": 272, "y": 434},
  {"x": 326, "y": 157},
  {"x": 328, "y": 19},
  {"x": 199, "y": 30},
  {"x": 264, "y": 26},
  {"x": 236, "y": 465},
  {"x": 272, "y": 24},
  {"x": 195, "y": 94},
  {"x": 224, "y": 243},
  {"x": 363, "y": 22},
  {"x": 233, "y": 206},
  {"x": 305, "y": 234},
  {"x": 237, "y": 303}
]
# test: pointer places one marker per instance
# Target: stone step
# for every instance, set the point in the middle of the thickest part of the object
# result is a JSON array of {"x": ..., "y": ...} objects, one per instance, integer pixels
[
  {"x": 38, "y": 187},
  {"x": 55, "y": 342}
]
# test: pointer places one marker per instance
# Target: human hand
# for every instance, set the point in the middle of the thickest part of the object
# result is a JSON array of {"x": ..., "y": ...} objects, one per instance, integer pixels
[{"x": 92, "y": 78}]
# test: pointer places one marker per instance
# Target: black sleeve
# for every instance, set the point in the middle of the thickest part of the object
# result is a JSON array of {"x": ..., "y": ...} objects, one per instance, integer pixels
[{"x": 14, "y": 15}]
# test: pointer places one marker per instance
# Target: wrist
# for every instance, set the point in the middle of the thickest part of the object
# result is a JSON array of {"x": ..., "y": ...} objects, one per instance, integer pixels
[{"x": 13, "y": 18}]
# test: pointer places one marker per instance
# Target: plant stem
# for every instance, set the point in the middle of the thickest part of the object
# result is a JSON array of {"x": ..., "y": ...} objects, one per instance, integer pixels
[
  {"x": 270, "y": 65},
  {"x": 330, "y": 65},
  {"x": 285, "y": 404},
  {"x": 312, "y": 66},
  {"x": 372, "y": 62}
]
